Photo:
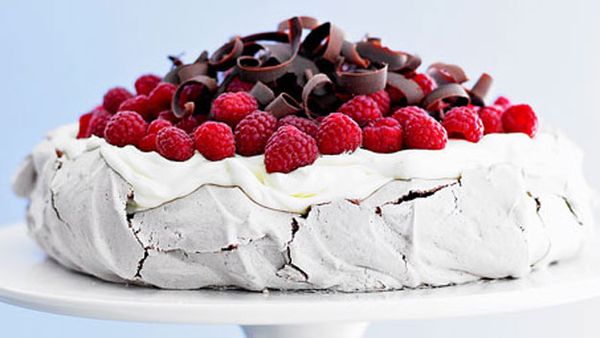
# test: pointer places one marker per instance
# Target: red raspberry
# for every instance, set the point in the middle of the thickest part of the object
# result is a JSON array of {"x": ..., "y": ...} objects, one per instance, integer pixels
[
  {"x": 361, "y": 109},
  {"x": 114, "y": 97},
  {"x": 491, "y": 116},
  {"x": 139, "y": 104},
  {"x": 464, "y": 123},
  {"x": 146, "y": 83},
  {"x": 382, "y": 98},
  {"x": 174, "y": 144},
  {"x": 338, "y": 134},
  {"x": 520, "y": 118},
  {"x": 424, "y": 132},
  {"x": 161, "y": 96},
  {"x": 383, "y": 135},
  {"x": 147, "y": 143},
  {"x": 125, "y": 127},
  {"x": 157, "y": 125},
  {"x": 402, "y": 115},
  {"x": 289, "y": 149},
  {"x": 187, "y": 124},
  {"x": 425, "y": 82},
  {"x": 503, "y": 102},
  {"x": 84, "y": 125},
  {"x": 214, "y": 140},
  {"x": 231, "y": 108},
  {"x": 237, "y": 85},
  {"x": 305, "y": 125},
  {"x": 168, "y": 115},
  {"x": 99, "y": 121},
  {"x": 253, "y": 132}
]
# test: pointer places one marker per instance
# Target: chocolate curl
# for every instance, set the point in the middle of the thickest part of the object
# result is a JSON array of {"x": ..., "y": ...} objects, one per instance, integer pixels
[
  {"x": 452, "y": 93},
  {"x": 199, "y": 67},
  {"x": 397, "y": 61},
  {"x": 226, "y": 56},
  {"x": 263, "y": 94},
  {"x": 362, "y": 82},
  {"x": 283, "y": 105},
  {"x": 445, "y": 73},
  {"x": 325, "y": 41},
  {"x": 253, "y": 70},
  {"x": 480, "y": 89},
  {"x": 300, "y": 66},
  {"x": 319, "y": 85},
  {"x": 351, "y": 55},
  {"x": 208, "y": 86},
  {"x": 412, "y": 93},
  {"x": 307, "y": 22},
  {"x": 172, "y": 76}
]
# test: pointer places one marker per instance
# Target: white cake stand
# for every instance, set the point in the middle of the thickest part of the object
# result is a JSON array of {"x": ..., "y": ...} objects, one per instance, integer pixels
[{"x": 31, "y": 280}]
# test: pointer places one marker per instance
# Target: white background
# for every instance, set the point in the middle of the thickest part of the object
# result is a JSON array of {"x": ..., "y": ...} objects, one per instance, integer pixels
[{"x": 58, "y": 57}]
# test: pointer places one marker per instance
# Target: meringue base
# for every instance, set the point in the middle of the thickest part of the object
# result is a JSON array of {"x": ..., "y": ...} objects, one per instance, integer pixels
[{"x": 491, "y": 222}]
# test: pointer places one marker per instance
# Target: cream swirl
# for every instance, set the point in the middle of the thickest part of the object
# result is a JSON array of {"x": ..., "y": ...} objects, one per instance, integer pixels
[{"x": 157, "y": 180}]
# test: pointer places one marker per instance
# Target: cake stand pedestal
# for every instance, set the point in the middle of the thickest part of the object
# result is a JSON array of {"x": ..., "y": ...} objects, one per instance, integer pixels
[{"x": 31, "y": 280}]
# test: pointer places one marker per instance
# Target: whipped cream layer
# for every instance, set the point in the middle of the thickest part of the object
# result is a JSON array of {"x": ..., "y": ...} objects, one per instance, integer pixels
[{"x": 548, "y": 157}]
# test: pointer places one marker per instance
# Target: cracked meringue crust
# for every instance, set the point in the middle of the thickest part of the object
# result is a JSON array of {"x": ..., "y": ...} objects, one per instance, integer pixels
[{"x": 496, "y": 209}]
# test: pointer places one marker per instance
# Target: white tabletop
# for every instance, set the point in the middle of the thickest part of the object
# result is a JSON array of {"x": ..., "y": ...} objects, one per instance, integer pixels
[{"x": 29, "y": 279}]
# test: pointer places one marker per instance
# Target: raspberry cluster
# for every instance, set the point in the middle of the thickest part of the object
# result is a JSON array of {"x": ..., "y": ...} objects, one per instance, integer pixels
[{"x": 367, "y": 95}]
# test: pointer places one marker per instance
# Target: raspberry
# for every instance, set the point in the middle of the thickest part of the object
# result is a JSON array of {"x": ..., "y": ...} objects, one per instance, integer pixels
[
  {"x": 253, "y": 132},
  {"x": 383, "y": 135},
  {"x": 425, "y": 82},
  {"x": 147, "y": 143},
  {"x": 174, "y": 144},
  {"x": 114, "y": 97},
  {"x": 84, "y": 125},
  {"x": 187, "y": 124},
  {"x": 231, "y": 108},
  {"x": 214, "y": 140},
  {"x": 161, "y": 96},
  {"x": 289, "y": 149},
  {"x": 402, "y": 115},
  {"x": 424, "y": 132},
  {"x": 237, "y": 85},
  {"x": 157, "y": 125},
  {"x": 520, "y": 118},
  {"x": 503, "y": 102},
  {"x": 337, "y": 134},
  {"x": 382, "y": 98},
  {"x": 146, "y": 83},
  {"x": 167, "y": 115},
  {"x": 491, "y": 116},
  {"x": 304, "y": 125},
  {"x": 463, "y": 122},
  {"x": 126, "y": 127},
  {"x": 139, "y": 104},
  {"x": 99, "y": 121},
  {"x": 361, "y": 109}
]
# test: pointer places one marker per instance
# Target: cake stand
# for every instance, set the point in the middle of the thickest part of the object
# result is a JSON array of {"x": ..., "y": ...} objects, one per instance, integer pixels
[{"x": 31, "y": 280}]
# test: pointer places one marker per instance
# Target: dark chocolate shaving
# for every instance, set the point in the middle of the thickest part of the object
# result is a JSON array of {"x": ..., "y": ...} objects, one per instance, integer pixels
[
  {"x": 201, "y": 88},
  {"x": 313, "y": 76},
  {"x": 409, "y": 90},
  {"x": 445, "y": 73},
  {"x": 318, "y": 96},
  {"x": 226, "y": 56},
  {"x": 253, "y": 69},
  {"x": 480, "y": 89},
  {"x": 324, "y": 41},
  {"x": 263, "y": 94},
  {"x": 283, "y": 105},
  {"x": 363, "y": 81},
  {"x": 451, "y": 94}
]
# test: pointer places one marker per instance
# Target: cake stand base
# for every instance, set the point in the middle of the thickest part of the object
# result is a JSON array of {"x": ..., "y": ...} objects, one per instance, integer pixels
[
  {"x": 29, "y": 279},
  {"x": 343, "y": 330}
]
